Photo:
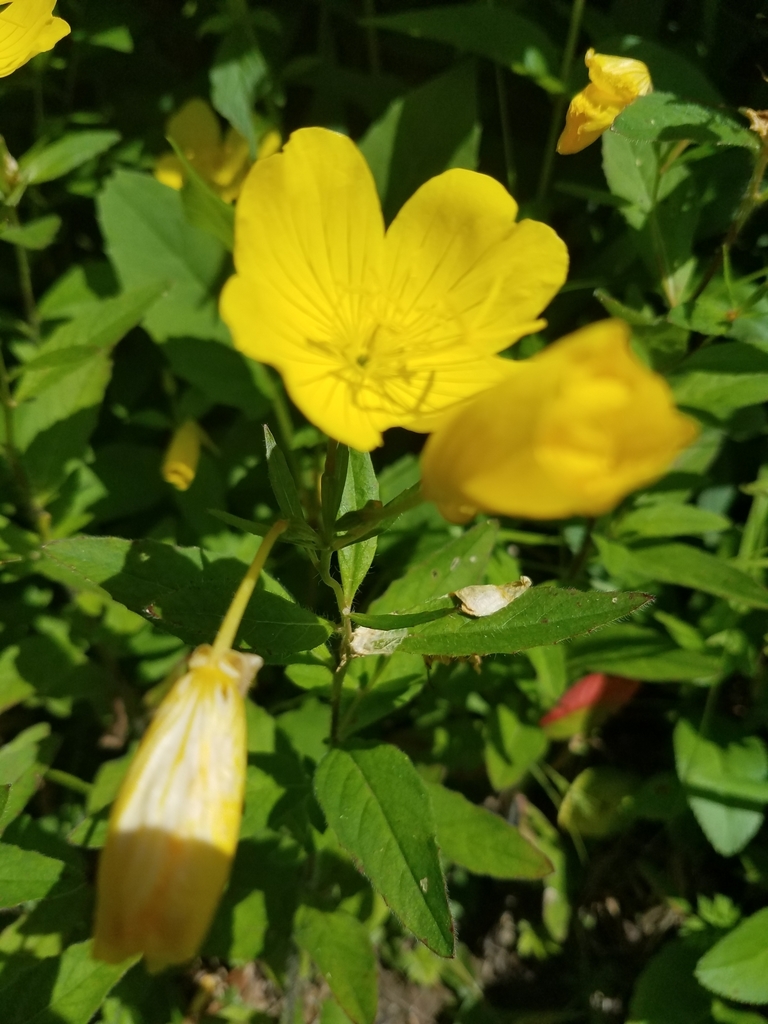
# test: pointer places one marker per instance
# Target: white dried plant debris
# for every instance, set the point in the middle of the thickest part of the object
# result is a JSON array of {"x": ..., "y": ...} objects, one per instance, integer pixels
[
  {"x": 480, "y": 601},
  {"x": 376, "y": 641}
]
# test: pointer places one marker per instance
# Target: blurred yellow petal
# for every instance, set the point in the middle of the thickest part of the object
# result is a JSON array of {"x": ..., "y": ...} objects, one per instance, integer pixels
[
  {"x": 269, "y": 144},
  {"x": 170, "y": 171},
  {"x": 571, "y": 431},
  {"x": 27, "y": 27},
  {"x": 183, "y": 454},
  {"x": 175, "y": 824},
  {"x": 368, "y": 332},
  {"x": 615, "y": 83},
  {"x": 195, "y": 128}
]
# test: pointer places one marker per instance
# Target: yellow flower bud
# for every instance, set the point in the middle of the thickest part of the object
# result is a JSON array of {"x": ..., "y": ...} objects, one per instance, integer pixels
[
  {"x": 175, "y": 824},
  {"x": 183, "y": 454},
  {"x": 571, "y": 431},
  {"x": 27, "y": 27},
  {"x": 615, "y": 82}
]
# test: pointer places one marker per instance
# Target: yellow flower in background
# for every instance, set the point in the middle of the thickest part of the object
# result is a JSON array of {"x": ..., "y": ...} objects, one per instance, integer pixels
[
  {"x": 572, "y": 431},
  {"x": 28, "y": 27},
  {"x": 615, "y": 82},
  {"x": 175, "y": 824},
  {"x": 182, "y": 456},
  {"x": 222, "y": 161},
  {"x": 368, "y": 330}
]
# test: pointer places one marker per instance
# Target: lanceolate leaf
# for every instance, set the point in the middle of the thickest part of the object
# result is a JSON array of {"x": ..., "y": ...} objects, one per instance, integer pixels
[
  {"x": 377, "y": 805},
  {"x": 183, "y": 592},
  {"x": 544, "y": 615},
  {"x": 340, "y": 946},
  {"x": 482, "y": 842}
]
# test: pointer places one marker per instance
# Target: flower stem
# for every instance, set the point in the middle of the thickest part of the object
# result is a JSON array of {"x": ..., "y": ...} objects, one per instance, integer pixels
[
  {"x": 577, "y": 13},
  {"x": 225, "y": 638}
]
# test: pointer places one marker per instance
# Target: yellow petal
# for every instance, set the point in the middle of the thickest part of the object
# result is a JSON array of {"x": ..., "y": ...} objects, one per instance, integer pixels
[
  {"x": 624, "y": 78},
  {"x": 269, "y": 144},
  {"x": 234, "y": 161},
  {"x": 170, "y": 171},
  {"x": 455, "y": 252},
  {"x": 591, "y": 112},
  {"x": 174, "y": 827},
  {"x": 183, "y": 454},
  {"x": 195, "y": 127},
  {"x": 27, "y": 27},
  {"x": 571, "y": 432}
]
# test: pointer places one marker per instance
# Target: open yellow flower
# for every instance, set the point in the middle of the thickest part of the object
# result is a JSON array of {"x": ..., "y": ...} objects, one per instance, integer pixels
[
  {"x": 222, "y": 161},
  {"x": 175, "y": 824},
  {"x": 27, "y": 27},
  {"x": 368, "y": 330},
  {"x": 571, "y": 432},
  {"x": 182, "y": 456},
  {"x": 615, "y": 82}
]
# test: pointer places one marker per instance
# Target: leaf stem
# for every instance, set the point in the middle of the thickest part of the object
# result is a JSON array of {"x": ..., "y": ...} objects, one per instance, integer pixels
[
  {"x": 577, "y": 13},
  {"x": 225, "y": 638}
]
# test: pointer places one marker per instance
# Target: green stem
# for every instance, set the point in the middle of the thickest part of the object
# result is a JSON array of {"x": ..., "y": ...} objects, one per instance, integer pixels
[
  {"x": 558, "y": 107},
  {"x": 68, "y": 781},
  {"x": 751, "y": 199},
  {"x": 38, "y": 517},
  {"x": 323, "y": 566},
  {"x": 25, "y": 282},
  {"x": 372, "y": 39}
]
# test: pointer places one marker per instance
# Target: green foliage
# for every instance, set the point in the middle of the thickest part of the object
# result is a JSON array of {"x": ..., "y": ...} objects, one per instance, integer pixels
[{"x": 413, "y": 844}]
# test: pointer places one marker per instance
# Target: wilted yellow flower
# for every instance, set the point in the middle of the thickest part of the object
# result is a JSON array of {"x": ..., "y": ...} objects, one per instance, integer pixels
[
  {"x": 570, "y": 432},
  {"x": 221, "y": 161},
  {"x": 174, "y": 827},
  {"x": 27, "y": 27},
  {"x": 614, "y": 83},
  {"x": 183, "y": 454},
  {"x": 372, "y": 331}
]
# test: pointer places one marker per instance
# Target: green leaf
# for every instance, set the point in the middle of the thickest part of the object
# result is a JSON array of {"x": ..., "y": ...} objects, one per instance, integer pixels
[
  {"x": 497, "y": 33},
  {"x": 98, "y": 328},
  {"x": 35, "y": 234},
  {"x": 23, "y": 762},
  {"x": 383, "y": 686},
  {"x": 543, "y": 615},
  {"x": 238, "y": 76},
  {"x": 704, "y": 765},
  {"x": 340, "y": 946},
  {"x": 671, "y": 519},
  {"x": 361, "y": 487},
  {"x": 637, "y": 652},
  {"x": 687, "y": 566},
  {"x": 255, "y": 914},
  {"x": 283, "y": 484},
  {"x": 377, "y": 805},
  {"x": 599, "y": 802},
  {"x": 64, "y": 155},
  {"x": 722, "y": 378},
  {"x": 483, "y": 842},
  {"x": 660, "y": 116},
  {"x": 149, "y": 239},
  {"x": 667, "y": 992},
  {"x": 458, "y": 564},
  {"x": 511, "y": 747},
  {"x": 203, "y": 207},
  {"x": 184, "y": 591},
  {"x": 26, "y": 875},
  {"x": 59, "y": 990},
  {"x": 737, "y": 966},
  {"x": 427, "y": 131},
  {"x": 224, "y": 375}
]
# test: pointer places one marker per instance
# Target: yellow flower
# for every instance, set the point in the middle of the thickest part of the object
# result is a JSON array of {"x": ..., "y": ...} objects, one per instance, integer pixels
[
  {"x": 174, "y": 827},
  {"x": 183, "y": 454},
  {"x": 571, "y": 432},
  {"x": 372, "y": 331},
  {"x": 222, "y": 162},
  {"x": 27, "y": 27},
  {"x": 615, "y": 83}
]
